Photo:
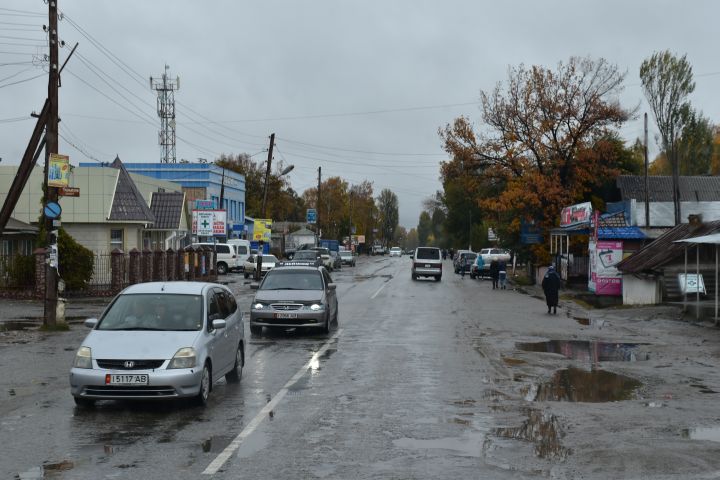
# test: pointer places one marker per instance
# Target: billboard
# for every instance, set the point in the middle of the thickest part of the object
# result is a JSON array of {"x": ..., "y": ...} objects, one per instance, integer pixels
[
  {"x": 262, "y": 229},
  {"x": 605, "y": 279},
  {"x": 58, "y": 170},
  {"x": 208, "y": 223},
  {"x": 576, "y": 214}
]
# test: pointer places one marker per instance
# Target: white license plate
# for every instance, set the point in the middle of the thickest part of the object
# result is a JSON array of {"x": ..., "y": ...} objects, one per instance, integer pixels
[
  {"x": 427, "y": 266},
  {"x": 126, "y": 379},
  {"x": 286, "y": 315}
]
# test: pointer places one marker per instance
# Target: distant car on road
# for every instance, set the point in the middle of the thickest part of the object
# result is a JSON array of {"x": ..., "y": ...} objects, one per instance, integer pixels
[
  {"x": 160, "y": 340},
  {"x": 336, "y": 260},
  {"x": 294, "y": 296},
  {"x": 427, "y": 263},
  {"x": 308, "y": 256},
  {"x": 396, "y": 252},
  {"x": 469, "y": 259},
  {"x": 347, "y": 257},
  {"x": 268, "y": 262}
]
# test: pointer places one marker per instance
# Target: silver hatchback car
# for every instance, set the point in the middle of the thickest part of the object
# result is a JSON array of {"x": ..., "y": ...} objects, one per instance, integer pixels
[{"x": 160, "y": 340}]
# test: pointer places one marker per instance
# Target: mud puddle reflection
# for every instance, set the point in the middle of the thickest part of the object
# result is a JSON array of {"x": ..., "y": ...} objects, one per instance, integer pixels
[
  {"x": 588, "y": 351},
  {"x": 543, "y": 430},
  {"x": 711, "y": 434},
  {"x": 596, "y": 386}
]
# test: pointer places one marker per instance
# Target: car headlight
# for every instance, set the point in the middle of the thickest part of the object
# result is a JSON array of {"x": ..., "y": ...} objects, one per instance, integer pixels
[
  {"x": 258, "y": 306},
  {"x": 184, "y": 358},
  {"x": 83, "y": 358},
  {"x": 316, "y": 306}
]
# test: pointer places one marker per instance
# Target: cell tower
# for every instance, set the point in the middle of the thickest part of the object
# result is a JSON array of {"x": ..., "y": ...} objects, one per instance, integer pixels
[{"x": 165, "y": 87}]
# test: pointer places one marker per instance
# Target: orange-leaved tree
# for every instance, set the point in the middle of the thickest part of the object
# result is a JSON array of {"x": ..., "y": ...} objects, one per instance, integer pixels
[{"x": 547, "y": 141}]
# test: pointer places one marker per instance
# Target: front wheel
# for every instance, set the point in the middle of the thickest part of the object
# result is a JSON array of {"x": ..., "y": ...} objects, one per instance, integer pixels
[
  {"x": 414, "y": 277},
  {"x": 255, "y": 330},
  {"x": 222, "y": 268},
  {"x": 235, "y": 375},
  {"x": 438, "y": 277},
  {"x": 326, "y": 326},
  {"x": 84, "y": 402},
  {"x": 247, "y": 275},
  {"x": 204, "y": 394}
]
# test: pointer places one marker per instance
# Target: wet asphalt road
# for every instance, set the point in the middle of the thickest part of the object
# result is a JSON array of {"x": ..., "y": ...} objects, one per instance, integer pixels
[{"x": 415, "y": 382}]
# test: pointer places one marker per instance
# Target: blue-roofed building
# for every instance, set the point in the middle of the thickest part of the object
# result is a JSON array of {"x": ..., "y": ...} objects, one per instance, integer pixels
[{"x": 201, "y": 181}]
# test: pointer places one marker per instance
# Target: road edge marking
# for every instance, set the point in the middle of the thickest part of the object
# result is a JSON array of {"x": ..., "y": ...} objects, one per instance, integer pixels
[
  {"x": 225, "y": 455},
  {"x": 378, "y": 291}
]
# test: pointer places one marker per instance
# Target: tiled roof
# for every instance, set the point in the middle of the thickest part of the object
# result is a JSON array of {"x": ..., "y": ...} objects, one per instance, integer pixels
[
  {"x": 692, "y": 189},
  {"x": 652, "y": 257},
  {"x": 167, "y": 207},
  {"x": 128, "y": 202}
]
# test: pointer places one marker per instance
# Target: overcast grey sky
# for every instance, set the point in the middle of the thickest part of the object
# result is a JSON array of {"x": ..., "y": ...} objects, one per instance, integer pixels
[{"x": 359, "y": 88}]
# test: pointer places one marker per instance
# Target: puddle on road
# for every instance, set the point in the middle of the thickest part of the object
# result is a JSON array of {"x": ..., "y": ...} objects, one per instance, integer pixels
[
  {"x": 543, "y": 430},
  {"x": 596, "y": 386},
  {"x": 588, "y": 322},
  {"x": 588, "y": 351},
  {"x": 216, "y": 444},
  {"x": 711, "y": 434},
  {"x": 47, "y": 470},
  {"x": 469, "y": 445},
  {"x": 19, "y": 325}
]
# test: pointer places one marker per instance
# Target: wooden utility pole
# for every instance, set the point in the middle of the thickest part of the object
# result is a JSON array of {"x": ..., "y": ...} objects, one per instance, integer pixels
[
  {"x": 258, "y": 264},
  {"x": 647, "y": 179},
  {"x": 51, "y": 146}
]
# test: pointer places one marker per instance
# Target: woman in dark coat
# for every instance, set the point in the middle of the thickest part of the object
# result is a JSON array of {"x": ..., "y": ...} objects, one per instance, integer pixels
[
  {"x": 551, "y": 287},
  {"x": 494, "y": 273}
]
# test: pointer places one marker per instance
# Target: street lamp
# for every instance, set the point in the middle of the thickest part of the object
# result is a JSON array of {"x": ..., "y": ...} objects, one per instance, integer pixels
[{"x": 286, "y": 170}]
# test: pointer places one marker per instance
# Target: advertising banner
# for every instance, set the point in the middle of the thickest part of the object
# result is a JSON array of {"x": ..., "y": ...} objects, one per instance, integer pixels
[
  {"x": 576, "y": 214},
  {"x": 262, "y": 229},
  {"x": 208, "y": 223},
  {"x": 605, "y": 279},
  {"x": 58, "y": 170}
]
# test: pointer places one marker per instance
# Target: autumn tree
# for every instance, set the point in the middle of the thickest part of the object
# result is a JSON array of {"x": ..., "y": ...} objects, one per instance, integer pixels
[
  {"x": 667, "y": 81},
  {"x": 543, "y": 144},
  {"x": 424, "y": 228},
  {"x": 411, "y": 241},
  {"x": 388, "y": 213}
]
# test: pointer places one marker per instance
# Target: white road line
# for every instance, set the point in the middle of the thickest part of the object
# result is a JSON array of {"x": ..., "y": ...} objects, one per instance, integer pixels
[
  {"x": 225, "y": 455},
  {"x": 378, "y": 291}
]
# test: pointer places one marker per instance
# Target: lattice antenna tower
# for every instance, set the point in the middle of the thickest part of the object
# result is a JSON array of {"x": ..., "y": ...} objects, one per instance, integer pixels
[{"x": 165, "y": 87}]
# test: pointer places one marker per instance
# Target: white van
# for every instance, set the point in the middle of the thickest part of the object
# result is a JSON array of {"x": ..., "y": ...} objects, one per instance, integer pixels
[
  {"x": 242, "y": 250},
  {"x": 226, "y": 256}
]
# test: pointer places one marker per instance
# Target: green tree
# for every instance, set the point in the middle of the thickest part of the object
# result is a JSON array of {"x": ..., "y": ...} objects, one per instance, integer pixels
[
  {"x": 411, "y": 241},
  {"x": 667, "y": 82},
  {"x": 424, "y": 228},
  {"x": 388, "y": 213}
]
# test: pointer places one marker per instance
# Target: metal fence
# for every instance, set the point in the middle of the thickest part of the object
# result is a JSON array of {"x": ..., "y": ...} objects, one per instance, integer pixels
[
  {"x": 17, "y": 271},
  {"x": 101, "y": 279}
]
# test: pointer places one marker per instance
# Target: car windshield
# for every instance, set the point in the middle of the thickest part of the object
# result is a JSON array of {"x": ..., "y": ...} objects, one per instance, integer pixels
[
  {"x": 346, "y": 254},
  {"x": 166, "y": 312},
  {"x": 292, "y": 280},
  {"x": 305, "y": 255},
  {"x": 427, "y": 254},
  {"x": 269, "y": 259},
  {"x": 323, "y": 251},
  {"x": 470, "y": 256}
]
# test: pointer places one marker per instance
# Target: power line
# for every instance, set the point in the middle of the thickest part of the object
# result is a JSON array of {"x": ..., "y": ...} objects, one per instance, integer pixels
[
  {"x": 23, "y": 80},
  {"x": 21, "y": 11},
  {"x": 364, "y": 151},
  {"x": 14, "y": 119}
]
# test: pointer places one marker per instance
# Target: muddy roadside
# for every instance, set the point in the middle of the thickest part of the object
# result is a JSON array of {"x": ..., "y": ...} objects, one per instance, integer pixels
[{"x": 632, "y": 389}]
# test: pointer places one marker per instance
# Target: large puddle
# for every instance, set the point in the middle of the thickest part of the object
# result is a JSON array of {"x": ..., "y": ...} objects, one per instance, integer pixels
[
  {"x": 702, "y": 433},
  {"x": 588, "y": 351},
  {"x": 595, "y": 386}
]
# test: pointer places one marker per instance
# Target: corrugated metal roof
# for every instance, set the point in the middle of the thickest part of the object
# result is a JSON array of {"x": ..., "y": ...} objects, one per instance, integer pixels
[
  {"x": 692, "y": 189},
  {"x": 167, "y": 207},
  {"x": 653, "y": 256},
  {"x": 128, "y": 203}
]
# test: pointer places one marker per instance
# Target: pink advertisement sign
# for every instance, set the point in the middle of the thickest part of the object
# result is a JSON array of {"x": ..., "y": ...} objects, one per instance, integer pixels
[{"x": 605, "y": 279}]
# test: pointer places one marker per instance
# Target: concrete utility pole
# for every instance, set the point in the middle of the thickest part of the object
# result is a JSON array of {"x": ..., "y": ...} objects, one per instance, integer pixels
[
  {"x": 51, "y": 146},
  {"x": 258, "y": 264}
]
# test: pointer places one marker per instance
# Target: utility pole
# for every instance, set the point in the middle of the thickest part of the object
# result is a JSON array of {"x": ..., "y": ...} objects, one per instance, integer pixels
[
  {"x": 51, "y": 146},
  {"x": 317, "y": 206},
  {"x": 165, "y": 87},
  {"x": 261, "y": 243},
  {"x": 647, "y": 179},
  {"x": 222, "y": 199}
]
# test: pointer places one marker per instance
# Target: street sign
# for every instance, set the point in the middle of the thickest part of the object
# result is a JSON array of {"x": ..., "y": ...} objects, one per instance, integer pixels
[
  {"x": 204, "y": 204},
  {"x": 206, "y": 223},
  {"x": 69, "y": 192},
  {"x": 57, "y": 223},
  {"x": 311, "y": 216},
  {"x": 52, "y": 210}
]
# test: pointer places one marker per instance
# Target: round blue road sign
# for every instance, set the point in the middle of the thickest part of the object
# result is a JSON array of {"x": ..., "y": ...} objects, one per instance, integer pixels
[{"x": 52, "y": 210}]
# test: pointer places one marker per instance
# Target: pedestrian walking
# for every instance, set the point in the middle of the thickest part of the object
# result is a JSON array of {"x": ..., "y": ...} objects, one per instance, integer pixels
[
  {"x": 551, "y": 287},
  {"x": 502, "y": 274},
  {"x": 463, "y": 265},
  {"x": 494, "y": 273},
  {"x": 480, "y": 264}
]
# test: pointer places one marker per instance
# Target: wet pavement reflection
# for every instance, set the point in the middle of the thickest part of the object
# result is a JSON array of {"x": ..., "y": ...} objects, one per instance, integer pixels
[
  {"x": 711, "y": 434},
  {"x": 588, "y": 351},
  {"x": 543, "y": 430},
  {"x": 577, "y": 385}
]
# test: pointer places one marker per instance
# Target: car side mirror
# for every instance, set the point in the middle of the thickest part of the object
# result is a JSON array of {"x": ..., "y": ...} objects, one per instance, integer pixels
[
  {"x": 254, "y": 286},
  {"x": 332, "y": 286},
  {"x": 219, "y": 324},
  {"x": 91, "y": 322}
]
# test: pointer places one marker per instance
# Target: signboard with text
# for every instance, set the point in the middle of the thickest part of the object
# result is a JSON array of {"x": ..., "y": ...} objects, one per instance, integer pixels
[
  {"x": 262, "y": 229},
  {"x": 576, "y": 214},
  {"x": 208, "y": 223},
  {"x": 311, "y": 216},
  {"x": 605, "y": 279},
  {"x": 58, "y": 170}
]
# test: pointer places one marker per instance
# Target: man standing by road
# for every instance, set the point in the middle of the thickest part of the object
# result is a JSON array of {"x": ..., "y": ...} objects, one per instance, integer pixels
[{"x": 494, "y": 273}]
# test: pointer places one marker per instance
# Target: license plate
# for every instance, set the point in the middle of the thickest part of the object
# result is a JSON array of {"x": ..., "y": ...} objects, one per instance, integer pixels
[
  {"x": 126, "y": 379},
  {"x": 286, "y": 315},
  {"x": 427, "y": 266}
]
